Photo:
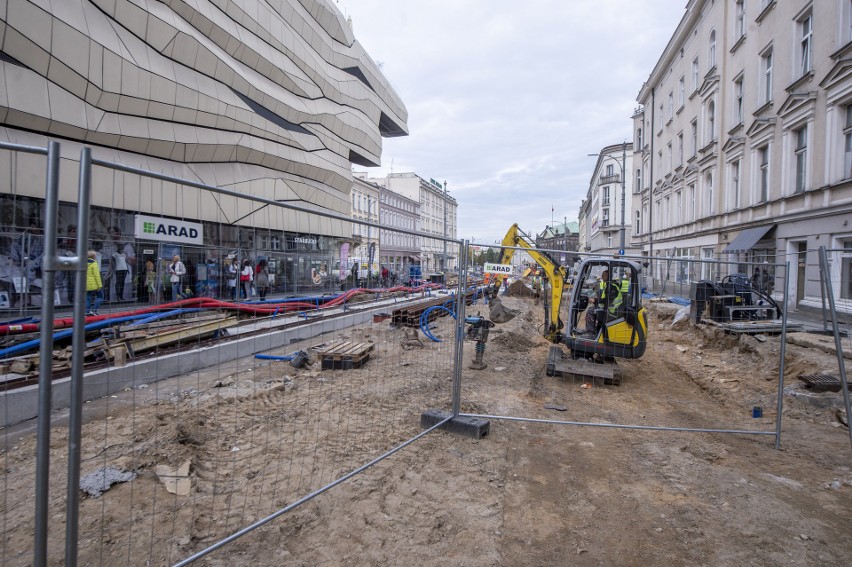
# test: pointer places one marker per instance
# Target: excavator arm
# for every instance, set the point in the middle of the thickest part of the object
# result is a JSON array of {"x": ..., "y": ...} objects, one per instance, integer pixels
[{"x": 553, "y": 271}]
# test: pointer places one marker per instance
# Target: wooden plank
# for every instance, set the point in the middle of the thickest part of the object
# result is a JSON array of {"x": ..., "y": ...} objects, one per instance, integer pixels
[{"x": 181, "y": 334}]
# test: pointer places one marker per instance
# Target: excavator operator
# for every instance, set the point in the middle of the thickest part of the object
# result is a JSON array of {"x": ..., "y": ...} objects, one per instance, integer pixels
[{"x": 609, "y": 297}]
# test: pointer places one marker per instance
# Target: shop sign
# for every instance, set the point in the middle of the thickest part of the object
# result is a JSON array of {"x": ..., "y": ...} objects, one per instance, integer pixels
[
  {"x": 168, "y": 230},
  {"x": 489, "y": 268}
]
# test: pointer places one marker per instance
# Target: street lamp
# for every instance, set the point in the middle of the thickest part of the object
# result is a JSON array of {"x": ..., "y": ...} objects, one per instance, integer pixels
[
  {"x": 622, "y": 167},
  {"x": 444, "y": 266}
]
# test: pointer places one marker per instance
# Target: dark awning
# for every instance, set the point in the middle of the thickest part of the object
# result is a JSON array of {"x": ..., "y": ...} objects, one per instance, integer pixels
[{"x": 747, "y": 239}]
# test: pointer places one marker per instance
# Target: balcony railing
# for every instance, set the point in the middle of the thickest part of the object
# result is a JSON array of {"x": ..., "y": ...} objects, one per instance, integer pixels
[{"x": 612, "y": 178}]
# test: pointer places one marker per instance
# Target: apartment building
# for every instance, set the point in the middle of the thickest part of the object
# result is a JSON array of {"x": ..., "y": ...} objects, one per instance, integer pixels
[
  {"x": 744, "y": 141},
  {"x": 438, "y": 216},
  {"x": 366, "y": 239},
  {"x": 608, "y": 223}
]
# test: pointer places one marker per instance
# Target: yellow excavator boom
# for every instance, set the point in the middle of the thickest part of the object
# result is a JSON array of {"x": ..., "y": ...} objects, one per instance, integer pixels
[{"x": 555, "y": 273}]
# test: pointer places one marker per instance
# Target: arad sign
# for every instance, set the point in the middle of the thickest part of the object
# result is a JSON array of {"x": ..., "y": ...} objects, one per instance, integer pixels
[
  {"x": 497, "y": 268},
  {"x": 168, "y": 230}
]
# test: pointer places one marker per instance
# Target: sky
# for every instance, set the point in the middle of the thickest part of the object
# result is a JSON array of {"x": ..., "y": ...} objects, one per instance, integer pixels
[{"x": 507, "y": 98}]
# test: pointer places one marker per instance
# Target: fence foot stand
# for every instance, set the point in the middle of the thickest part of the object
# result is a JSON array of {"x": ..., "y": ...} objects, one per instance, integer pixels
[{"x": 473, "y": 427}]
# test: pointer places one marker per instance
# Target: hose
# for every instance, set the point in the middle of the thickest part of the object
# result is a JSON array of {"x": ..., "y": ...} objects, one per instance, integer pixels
[
  {"x": 424, "y": 321},
  {"x": 66, "y": 333}
]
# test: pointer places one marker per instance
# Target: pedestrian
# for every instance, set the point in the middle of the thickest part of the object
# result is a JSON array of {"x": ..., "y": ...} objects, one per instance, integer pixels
[
  {"x": 261, "y": 278},
  {"x": 150, "y": 281},
  {"x": 177, "y": 271},
  {"x": 94, "y": 285},
  {"x": 233, "y": 277},
  {"x": 246, "y": 278}
]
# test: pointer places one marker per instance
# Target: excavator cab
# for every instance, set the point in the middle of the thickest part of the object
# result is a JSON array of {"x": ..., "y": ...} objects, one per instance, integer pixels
[{"x": 605, "y": 313}]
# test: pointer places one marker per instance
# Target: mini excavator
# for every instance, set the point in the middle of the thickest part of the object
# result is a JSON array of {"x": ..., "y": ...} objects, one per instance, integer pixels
[{"x": 606, "y": 320}]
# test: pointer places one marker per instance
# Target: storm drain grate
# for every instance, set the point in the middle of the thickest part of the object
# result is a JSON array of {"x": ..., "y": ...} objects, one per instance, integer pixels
[{"x": 821, "y": 382}]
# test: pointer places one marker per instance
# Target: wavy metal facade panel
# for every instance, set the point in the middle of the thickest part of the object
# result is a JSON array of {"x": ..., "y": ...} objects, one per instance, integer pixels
[{"x": 275, "y": 98}]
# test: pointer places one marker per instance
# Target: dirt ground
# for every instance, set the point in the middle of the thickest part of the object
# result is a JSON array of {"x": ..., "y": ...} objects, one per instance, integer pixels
[{"x": 258, "y": 438}]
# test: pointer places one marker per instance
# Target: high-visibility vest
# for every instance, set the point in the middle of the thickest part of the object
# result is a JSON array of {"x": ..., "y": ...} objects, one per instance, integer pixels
[{"x": 616, "y": 302}]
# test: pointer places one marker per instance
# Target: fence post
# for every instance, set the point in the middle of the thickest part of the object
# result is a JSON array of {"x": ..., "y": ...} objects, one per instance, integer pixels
[
  {"x": 461, "y": 303},
  {"x": 75, "y": 417},
  {"x": 45, "y": 371}
]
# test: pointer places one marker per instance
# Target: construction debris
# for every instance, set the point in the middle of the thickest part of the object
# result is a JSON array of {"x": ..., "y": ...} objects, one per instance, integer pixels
[
  {"x": 345, "y": 355},
  {"x": 99, "y": 481},
  {"x": 176, "y": 480}
]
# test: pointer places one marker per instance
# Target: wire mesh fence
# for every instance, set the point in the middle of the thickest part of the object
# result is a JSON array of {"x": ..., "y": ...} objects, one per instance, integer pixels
[
  {"x": 612, "y": 323},
  {"x": 240, "y": 358}
]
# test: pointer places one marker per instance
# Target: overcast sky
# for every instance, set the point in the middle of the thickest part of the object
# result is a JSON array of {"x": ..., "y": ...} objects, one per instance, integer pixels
[{"x": 506, "y": 98}]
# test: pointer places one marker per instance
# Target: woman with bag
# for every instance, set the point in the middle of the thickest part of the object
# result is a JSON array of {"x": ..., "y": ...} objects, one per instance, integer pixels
[
  {"x": 246, "y": 277},
  {"x": 262, "y": 279},
  {"x": 233, "y": 275},
  {"x": 176, "y": 272}
]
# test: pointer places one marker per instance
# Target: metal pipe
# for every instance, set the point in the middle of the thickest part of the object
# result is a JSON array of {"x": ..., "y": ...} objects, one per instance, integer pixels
[
  {"x": 619, "y": 425},
  {"x": 78, "y": 346},
  {"x": 45, "y": 372},
  {"x": 312, "y": 495}
]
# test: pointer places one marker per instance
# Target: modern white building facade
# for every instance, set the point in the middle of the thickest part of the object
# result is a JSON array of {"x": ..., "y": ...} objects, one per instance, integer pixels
[
  {"x": 743, "y": 142},
  {"x": 271, "y": 99}
]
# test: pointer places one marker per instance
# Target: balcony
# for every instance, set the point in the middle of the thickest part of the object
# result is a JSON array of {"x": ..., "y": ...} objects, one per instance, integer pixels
[{"x": 612, "y": 178}]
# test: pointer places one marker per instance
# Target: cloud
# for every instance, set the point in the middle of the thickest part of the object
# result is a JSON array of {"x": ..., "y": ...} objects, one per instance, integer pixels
[{"x": 507, "y": 98}]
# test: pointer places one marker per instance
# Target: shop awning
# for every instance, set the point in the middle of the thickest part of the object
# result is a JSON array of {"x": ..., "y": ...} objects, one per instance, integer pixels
[{"x": 746, "y": 240}]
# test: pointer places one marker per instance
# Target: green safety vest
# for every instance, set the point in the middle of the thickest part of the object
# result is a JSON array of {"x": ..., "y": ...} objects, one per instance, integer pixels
[{"x": 615, "y": 302}]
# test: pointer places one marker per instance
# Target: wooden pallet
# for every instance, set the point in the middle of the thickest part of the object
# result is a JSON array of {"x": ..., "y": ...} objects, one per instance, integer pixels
[{"x": 345, "y": 355}]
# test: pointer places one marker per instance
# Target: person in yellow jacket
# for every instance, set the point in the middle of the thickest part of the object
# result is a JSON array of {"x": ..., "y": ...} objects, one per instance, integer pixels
[{"x": 94, "y": 284}]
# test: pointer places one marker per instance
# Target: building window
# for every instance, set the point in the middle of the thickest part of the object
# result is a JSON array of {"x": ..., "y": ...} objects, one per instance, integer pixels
[
  {"x": 639, "y": 138},
  {"x": 712, "y": 49},
  {"x": 735, "y": 185},
  {"x": 738, "y": 101},
  {"x": 708, "y": 184},
  {"x": 766, "y": 76},
  {"x": 638, "y": 180},
  {"x": 695, "y": 74},
  {"x": 692, "y": 201},
  {"x": 681, "y": 92},
  {"x": 801, "y": 154},
  {"x": 805, "y": 44},
  {"x": 669, "y": 155},
  {"x": 763, "y": 181},
  {"x": 694, "y": 135},
  {"x": 638, "y": 223},
  {"x": 678, "y": 213},
  {"x": 711, "y": 121},
  {"x": 847, "y": 151},
  {"x": 671, "y": 105},
  {"x": 739, "y": 19},
  {"x": 605, "y": 195},
  {"x": 680, "y": 149},
  {"x": 605, "y": 217},
  {"x": 846, "y": 270},
  {"x": 661, "y": 118}
]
